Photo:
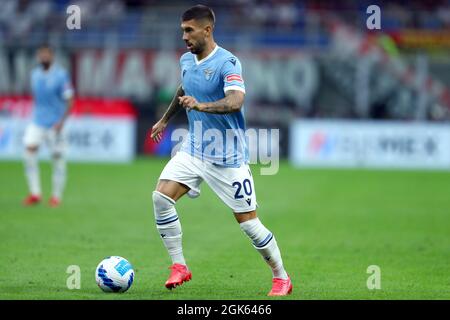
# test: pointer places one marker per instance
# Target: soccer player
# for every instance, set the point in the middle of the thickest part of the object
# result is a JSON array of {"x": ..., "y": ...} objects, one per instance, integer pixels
[
  {"x": 53, "y": 99},
  {"x": 212, "y": 93}
]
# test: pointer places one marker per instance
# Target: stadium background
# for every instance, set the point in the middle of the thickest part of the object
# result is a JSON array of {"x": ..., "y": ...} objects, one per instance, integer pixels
[{"x": 341, "y": 95}]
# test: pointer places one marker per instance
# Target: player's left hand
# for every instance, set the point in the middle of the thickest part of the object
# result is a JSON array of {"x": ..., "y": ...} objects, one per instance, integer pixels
[{"x": 189, "y": 103}]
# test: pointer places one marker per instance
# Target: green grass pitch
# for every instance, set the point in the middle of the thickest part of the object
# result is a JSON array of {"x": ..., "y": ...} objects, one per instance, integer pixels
[{"x": 330, "y": 225}]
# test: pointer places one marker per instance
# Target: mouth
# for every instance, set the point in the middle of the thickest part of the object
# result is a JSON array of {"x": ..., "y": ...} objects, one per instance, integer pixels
[{"x": 189, "y": 46}]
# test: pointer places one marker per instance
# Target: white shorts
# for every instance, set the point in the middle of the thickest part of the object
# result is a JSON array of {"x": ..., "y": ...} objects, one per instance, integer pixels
[
  {"x": 234, "y": 186},
  {"x": 35, "y": 135}
]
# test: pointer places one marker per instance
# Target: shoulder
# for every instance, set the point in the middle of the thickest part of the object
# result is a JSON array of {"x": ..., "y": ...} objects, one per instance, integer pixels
[
  {"x": 35, "y": 71},
  {"x": 185, "y": 57},
  {"x": 227, "y": 58},
  {"x": 225, "y": 54},
  {"x": 60, "y": 71}
]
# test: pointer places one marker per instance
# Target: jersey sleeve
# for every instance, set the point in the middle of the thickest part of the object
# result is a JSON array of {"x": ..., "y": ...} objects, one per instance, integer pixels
[
  {"x": 232, "y": 75},
  {"x": 67, "y": 91}
]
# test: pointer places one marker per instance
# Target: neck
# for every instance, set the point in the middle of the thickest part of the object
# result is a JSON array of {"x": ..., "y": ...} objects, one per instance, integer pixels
[
  {"x": 208, "y": 49},
  {"x": 46, "y": 67}
]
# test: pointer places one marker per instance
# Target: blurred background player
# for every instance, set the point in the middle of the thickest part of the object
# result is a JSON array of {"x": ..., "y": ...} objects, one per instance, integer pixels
[
  {"x": 53, "y": 98},
  {"x": 341, "y": 95},
  {"x": 213, "y": 76}
]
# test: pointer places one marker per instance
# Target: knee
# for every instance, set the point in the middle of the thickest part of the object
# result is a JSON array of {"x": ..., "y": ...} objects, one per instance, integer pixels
[
  {"x": 30, "y": 154},
  {"x": 245, "y": 216},
  {"x": 57, "y": 155},
  {"x": 162, "y": 204},
  {"x": 31, "y": 149}
]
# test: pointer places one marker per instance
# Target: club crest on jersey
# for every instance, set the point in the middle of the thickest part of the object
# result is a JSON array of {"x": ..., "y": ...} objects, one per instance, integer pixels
[{"x": 208, "y": 73}]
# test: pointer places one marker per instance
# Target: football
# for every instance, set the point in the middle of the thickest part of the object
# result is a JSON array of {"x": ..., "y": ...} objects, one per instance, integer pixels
[{"x": 114, "y": 274}]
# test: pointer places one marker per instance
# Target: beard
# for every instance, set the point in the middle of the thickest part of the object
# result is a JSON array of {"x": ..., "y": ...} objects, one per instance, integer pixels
[
  {"x": 198, "y": 48},
  {"x": 46, "y": 65},
  {"x": 195, "y": 50}
]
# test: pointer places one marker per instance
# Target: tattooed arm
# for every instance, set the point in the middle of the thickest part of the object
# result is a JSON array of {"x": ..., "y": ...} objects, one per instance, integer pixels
[
  {"x": 232, "y": 102},
  {"x": 174, "y": 106},
  {"x": 173, "y": 109}
]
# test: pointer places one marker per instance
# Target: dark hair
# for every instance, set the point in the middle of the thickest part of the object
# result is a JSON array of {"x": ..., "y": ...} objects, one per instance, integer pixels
[
  {"x": 199, "y": 12},
  {"x": 45, "y": 46}
]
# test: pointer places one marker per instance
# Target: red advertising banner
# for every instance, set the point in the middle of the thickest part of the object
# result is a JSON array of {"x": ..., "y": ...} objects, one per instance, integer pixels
[
  {"x": 423, "y": 39},
  {"x": 21, "y": 107}
]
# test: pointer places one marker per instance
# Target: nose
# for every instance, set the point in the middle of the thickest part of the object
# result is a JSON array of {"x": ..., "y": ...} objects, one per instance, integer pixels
[{"x": 185, "y": 36}]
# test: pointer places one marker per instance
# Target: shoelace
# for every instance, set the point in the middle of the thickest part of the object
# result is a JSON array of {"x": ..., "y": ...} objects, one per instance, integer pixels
[{"x": 176, "y": 267}]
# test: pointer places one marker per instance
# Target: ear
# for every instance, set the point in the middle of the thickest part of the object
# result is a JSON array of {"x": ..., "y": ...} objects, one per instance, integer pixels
[{"x": 208, "y": 30}]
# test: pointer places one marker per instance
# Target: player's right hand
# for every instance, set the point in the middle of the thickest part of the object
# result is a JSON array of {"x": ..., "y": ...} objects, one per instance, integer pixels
[{"x": 157, "y": 130}]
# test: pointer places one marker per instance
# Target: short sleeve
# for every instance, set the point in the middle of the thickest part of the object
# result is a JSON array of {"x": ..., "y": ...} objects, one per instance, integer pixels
[
  {"x": 232, "y": 75},
  {"x": 67, "y": 88}
]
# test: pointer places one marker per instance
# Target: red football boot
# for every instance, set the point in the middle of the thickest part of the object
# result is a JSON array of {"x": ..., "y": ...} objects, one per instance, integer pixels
[
  {"x": 31, "y": 200},
  {"x": 180, "y": 273},
  {"x": 54, "y": 202},
  {"x": 281, "y": 287}
]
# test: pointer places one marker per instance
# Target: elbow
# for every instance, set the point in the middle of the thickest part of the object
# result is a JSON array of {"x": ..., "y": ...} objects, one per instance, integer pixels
[{"x": 235, "y": 100}]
